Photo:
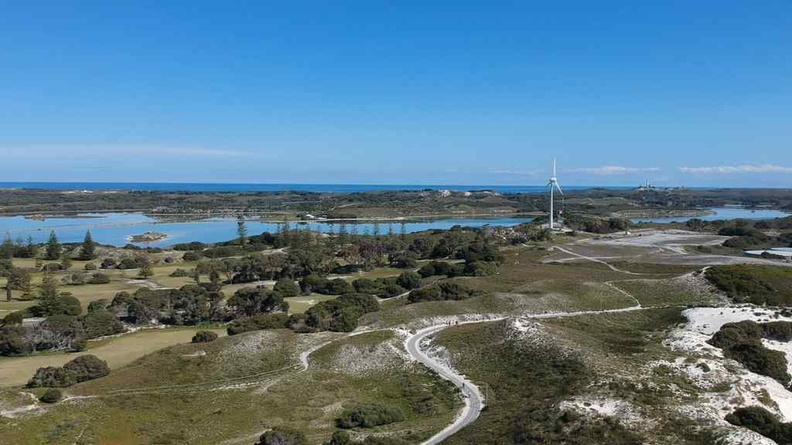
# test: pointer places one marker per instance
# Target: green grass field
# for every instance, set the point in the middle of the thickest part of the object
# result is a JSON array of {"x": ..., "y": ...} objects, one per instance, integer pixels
[{"x": 117, "y": 352}]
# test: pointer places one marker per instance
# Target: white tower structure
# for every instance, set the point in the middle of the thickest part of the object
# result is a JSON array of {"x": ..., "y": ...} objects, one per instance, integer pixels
[{"x": 553, "y": 184}]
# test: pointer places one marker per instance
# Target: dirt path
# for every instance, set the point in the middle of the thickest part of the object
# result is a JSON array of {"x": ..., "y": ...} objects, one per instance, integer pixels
[{"x": 610, "y": 266}]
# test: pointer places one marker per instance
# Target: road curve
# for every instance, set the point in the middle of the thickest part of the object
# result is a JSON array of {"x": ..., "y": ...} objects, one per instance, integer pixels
[{"x": 474, "y": 402}]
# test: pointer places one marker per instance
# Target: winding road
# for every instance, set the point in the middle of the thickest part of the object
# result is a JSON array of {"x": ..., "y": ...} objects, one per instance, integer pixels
[{"x": 471, "y": 394}]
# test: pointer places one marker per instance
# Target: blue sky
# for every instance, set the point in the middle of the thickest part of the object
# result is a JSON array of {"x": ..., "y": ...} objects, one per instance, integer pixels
[{"x": 695, "y": 93}]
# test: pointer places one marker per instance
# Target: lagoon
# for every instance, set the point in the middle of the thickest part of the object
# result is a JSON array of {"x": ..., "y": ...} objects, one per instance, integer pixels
[
  {"x": 722, "y": 213},
  {"x": 116, "y": 228}
]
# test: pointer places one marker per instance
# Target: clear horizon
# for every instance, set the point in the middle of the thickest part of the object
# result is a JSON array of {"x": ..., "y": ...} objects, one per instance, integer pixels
[{"x": 677, "y": 93}]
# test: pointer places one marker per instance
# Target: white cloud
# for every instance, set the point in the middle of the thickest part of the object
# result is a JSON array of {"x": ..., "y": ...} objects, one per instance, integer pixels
[
  {"x": 613, "y": 170},
  {"x": 730, "y": 169}
]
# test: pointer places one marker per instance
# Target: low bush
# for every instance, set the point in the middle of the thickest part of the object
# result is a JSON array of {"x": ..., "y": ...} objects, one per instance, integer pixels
[
  {"x": 286, "y": 288},
  {"x": 204, "y": 337},
  {"x": 763, "y": 422},
  {"x": 180, "y": 273},
  {"x": 87, "y": 367},
  {"x": 128, "y": 263},
  {"x": 100, "y": 323},
  {"x": 192, "y": 256},
  {"x": 409, "y": 280},
  {"x": 339, "y": 315},
  {"x": 441, "y": 291},
  {"x": 52, "y": 377},
  {"x": 742, "y": 341},
  {"x": 99, "y": 278},
  {"x": 755, "y": 284},
  {"x": 51, "y": 396},
  {"x": 369, "y": 417},
  {"x": 282, "y": 436},
  {"x": 108, "y": 263},
  {"x": 258, "y": 322}
]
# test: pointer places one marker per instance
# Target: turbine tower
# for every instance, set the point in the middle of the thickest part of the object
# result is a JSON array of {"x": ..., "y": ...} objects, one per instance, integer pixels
[{"x": 553, "y": 184}]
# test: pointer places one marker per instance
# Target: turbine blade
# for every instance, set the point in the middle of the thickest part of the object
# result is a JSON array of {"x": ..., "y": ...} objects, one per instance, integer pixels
[{"x": 559, "y": 188}]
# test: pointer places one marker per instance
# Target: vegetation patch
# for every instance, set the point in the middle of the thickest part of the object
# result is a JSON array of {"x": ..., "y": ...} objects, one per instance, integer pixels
[
  {"x": 756, "y": 284},
  {"x": 81, "y": 369},
  {"x": 763, "y": 422},
  {"x": 742, "y": 341},
  {"x": 369, "y": 416}
]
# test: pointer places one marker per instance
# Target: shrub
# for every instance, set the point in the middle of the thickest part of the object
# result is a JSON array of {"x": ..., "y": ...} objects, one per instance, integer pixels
[
  {"x": 339, "y": 438},
  {"x": 253, "y": 301},
  {"x": 286, "y": 288},
  {"x": 60, "y": 305},
  {"x": 777, "y": 330},
  {"x": 195, "y": 245},
  {"x": 480, "y": 269},
  {"x": 367, "y": 286},
  {"x": 742, "y": 341},
  {"x": 763, "y": 422},
  {"x": 753, "y": 283},
  {"x": 758, "y": 359},
  {"x": 90, "y": 266},
  {"x": 128, "y": 263},
  {"x": 12, "y": 341},
  {"x": 97, "y": 305},
  {"x": 405, "y": 260},
  {"x": 258, "y": 322},
  {"x": 338, "y": 286},
  {"x": 14, "y": 318},
  {"x": 345, "y": 319},
  {"x": 192, "y": 256},
  {"x": 312, "y": 283},
  {"x": 180, "y": 273},
  {"x": 282, "y": 436},
  {"x": 87, "y": 367},
  {"x": 369, "y": 417},
  {"x": 441, "y": 291},
  {"x": 101, "y": 322},
  {"x": 441, "y": 268},
  {"x": 409, "y": 280},
  {"x": 51, "y": 396},
  {"x": 51, "y": 376},
  {"x": 108, "y": 263},
  {"x": 99, "y": 278},
  {"x": 204, "y": 337}
]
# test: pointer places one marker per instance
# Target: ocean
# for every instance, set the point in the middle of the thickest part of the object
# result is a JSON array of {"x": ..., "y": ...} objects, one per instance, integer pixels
[{"x": 321, "y": 188}]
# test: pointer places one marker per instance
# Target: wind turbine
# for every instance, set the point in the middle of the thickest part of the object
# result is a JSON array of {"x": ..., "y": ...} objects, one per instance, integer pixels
[{"x": 553, "y": 184}]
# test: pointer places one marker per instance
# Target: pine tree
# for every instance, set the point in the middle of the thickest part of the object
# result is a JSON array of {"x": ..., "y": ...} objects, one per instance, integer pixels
[
  {"x": 66, "y": 262},
  {"x": 242, "y": 230},
  {"x": 7, "y": 248},
  {"x": 53, "y": 250},
  {"x": 88, "y": 250},
  {"x": 49, "y": 287}
]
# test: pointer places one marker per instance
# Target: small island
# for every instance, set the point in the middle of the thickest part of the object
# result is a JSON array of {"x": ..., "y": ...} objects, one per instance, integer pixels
[{"x": 148, "y": 237}]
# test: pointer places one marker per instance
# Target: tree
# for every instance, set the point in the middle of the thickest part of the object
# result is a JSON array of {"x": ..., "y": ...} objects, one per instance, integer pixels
[
  {"x": 88, "y": 249},
  {"x": 48, "y": 289},
  {"x": 19, "y": 279},
  {"x": 66, "y": 262},
  {"x": 286, "y": 288},
  {"x": 53, "y": 250},
  {"x": 7, "y": 248},
  {"x": 242, "y": 230},
  {"x": 145, "y": 270}
]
